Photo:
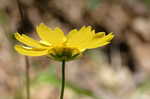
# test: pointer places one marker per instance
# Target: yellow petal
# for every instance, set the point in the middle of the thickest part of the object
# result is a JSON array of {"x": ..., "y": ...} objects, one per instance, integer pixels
[
  {"x": 100, "y": 34},
  {"x": 29, "y": 41},
  {"x": 54, "y": 37},
  {"x": 31, "y": 51},
  {"x": 79, "y": 38},
  {"x": 96, "y": 45},
  {"x": 109, "y": 37},
  {"x": 97, "y": 41}
]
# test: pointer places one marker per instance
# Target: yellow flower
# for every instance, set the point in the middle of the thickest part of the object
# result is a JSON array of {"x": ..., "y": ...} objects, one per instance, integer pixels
[{"x": 55, "y": 44}]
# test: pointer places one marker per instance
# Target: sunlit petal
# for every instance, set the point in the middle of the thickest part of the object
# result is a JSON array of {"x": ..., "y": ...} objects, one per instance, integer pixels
[
  {"x": 99, "y": 35},
  {"x": 98, "y": 40},
  {"x": 79, "y": 38},
  {"x": 28, "y": 41},
  {"x": 54, "y": 37},
  {"x": 31, "y": 51}
]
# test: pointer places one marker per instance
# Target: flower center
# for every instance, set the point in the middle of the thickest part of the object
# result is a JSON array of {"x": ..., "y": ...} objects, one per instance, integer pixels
[{"x": 64, "y": 53}]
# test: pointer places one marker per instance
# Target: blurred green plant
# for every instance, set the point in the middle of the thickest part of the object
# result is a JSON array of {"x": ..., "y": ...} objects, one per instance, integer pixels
[
  {"x": 147, "y": 2},
  {"x": 51, "y": 78},
  {"x": 3, "y": 17},
  {"x": 19, "y": 94},
  {"x": 145, "y": 86},
  {"x": 92, "y": 4}
]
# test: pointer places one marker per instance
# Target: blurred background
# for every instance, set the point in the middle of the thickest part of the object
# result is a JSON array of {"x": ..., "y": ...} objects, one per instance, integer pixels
[{"x": 120, "y": 70}]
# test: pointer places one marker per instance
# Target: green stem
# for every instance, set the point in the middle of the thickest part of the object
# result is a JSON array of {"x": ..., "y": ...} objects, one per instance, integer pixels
[
  {"x": 27, "y": 78},
  {"x": 63, "y": 80}
]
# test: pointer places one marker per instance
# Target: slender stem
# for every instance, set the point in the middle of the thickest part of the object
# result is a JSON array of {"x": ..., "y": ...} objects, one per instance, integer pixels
[
  {"x": 27, "y": 78},
  {"x": 63, "y": 80}
]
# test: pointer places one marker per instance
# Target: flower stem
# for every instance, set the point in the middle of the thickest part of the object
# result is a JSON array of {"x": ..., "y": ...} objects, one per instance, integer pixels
[
  {"x": 27, "y": 77},
  {"x": 63, "y": 80}
]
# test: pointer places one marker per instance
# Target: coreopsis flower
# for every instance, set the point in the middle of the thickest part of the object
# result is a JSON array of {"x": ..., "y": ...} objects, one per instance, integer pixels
[{"x": 59, "y": 46}]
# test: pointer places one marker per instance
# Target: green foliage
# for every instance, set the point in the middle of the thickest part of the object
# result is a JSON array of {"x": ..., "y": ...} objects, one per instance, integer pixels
[
  {"x": 147, "y": 2},
  {"x": 19, "y": 94},
  {"x": 3, "y": 17},
  {"x": 92, "y": 4},
  {"x": 51, "y": 78},
  {"x": 145, "y": 86}
]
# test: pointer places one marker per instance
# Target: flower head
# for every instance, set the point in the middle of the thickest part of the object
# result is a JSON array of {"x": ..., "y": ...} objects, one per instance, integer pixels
[{"x": 60, "y": 47}]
